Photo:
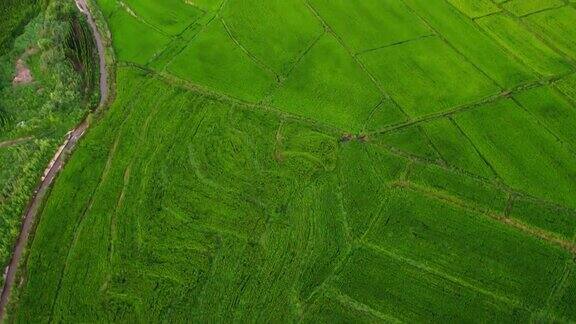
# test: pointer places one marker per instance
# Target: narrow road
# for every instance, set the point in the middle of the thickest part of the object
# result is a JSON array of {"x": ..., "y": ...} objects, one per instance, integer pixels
[{"x": 53, "y": 168}]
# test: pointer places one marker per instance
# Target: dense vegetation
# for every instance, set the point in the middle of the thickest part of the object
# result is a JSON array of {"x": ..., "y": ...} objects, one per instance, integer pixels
[
  {"x": 35, "y": 115},
  {"x": 321, "y": 161},
  {"x": 15, "y": 15}
]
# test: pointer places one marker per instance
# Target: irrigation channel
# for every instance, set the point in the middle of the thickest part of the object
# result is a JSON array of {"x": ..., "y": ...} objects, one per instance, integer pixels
[{"x": 53, "y": 168}]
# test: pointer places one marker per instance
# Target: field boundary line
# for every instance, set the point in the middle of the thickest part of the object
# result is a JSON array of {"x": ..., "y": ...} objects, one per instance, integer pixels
[
  {"x": 176, "y": 41},
  {"x": 536, "y": 32},
  {"x": 251, "y": 56},
  {"x": 554, "y": 87},
  {"x": 537, "y": 233},
  {"x": 558, "y": 290},
  {"x": 452, "y": 46},
  {"x": 214, "y": 229},
  {"x": 344, "y": 257},
  {"x": 16, "y": 141},
  {"x": 119, "y": 204},
  {"x": 358, "y": 62},
  {"x": 337, "y": 295},
  {"x": 202, "y": 27},
  {"x": 133, "y": 14},
  {"x": 564, "y": 4},
  {"x": 288, "y": 73},
  {"x": 324, "y": 128},
  {"x": 344, "y": 213},
  {"x": 474, "y": 104},
  {"x": 476, "y": 149},
  {"x": 411, "y": 40},
  {"x": 464, "y": 173},
  {"x": 430, "y": 143},
  {"x": 544, "y": 126},
  {"x": 509, "y": 52},
  {"x": 454, "y": 279},
  {"x": 371, "y": 115},
  {"x": 78, "y": 227}
]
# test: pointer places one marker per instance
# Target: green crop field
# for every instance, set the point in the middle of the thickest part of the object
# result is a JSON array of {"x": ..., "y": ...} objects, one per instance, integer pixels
[{"x": 319, "y": 161}]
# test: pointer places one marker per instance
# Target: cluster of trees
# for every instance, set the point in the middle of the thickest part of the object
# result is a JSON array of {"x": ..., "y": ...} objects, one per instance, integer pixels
[
  {"x": 65, "y": 60},
  {"x": 15, "y": 15}
]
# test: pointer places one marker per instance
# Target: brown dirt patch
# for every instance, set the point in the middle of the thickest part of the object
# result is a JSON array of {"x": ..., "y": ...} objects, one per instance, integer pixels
[{"x": 23, "y": 74}]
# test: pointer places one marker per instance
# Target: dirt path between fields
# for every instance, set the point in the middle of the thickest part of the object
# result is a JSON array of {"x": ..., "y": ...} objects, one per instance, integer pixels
[
  {"x": 15, "y": 141},
  {"x": 53, "y": 168}
]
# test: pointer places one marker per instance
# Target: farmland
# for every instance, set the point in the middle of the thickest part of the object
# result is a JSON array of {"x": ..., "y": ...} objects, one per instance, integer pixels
[{"x": 319, "y": 161}]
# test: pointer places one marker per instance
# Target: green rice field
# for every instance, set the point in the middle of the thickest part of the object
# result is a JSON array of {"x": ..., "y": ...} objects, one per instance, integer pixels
[{"x": 320, "y": 161}]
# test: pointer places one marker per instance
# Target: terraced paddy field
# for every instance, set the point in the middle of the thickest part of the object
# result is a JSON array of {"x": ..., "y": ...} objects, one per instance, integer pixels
[{"x": 320, "y": 161}]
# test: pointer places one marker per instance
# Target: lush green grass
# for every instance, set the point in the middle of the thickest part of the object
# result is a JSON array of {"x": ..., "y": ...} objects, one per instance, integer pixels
[
  {"x": 141, "y": 41},
  {"x": 557, "y": 27},
  {"x": 516, "y": 37},
  {"x": 438, "y": 77},
  {"x": 525, "y": 7},
  {"x": 498, "y": 262},
  {"x": 278, "y": 41},
  {"x": 525, "y": 154},
  {"x": 223, "y": 66},
  {"x": 454, "y": 148},
  {"x": 319, "y": 161},
  {"x": 475, "y": 8},
  {"x": 169, "y": 16},
  {"x": 360, "y": 25},
  {"x": 477, "y": 47},
  {"x": 312, "y": 90}
]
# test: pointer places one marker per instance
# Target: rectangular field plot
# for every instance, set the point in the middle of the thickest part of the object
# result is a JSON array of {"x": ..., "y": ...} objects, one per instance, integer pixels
[
  {"x": 549, "y": 218},
  {"x": 455, "y": 148},
  {"x": 364, "y": 173},
  {"x": 475, "y": 8},
  {"x": 521, "y": 151},
  {"x": 133, "y": 40},
  {"x": 276, "y": 32},
  {"x": 329, "y": 87},
  {"x": 427, "y": 76},
  {"x": 553, "y": 110},
  {"x": 567, "y": 86},
  {"x": 333, "y": 307},
  {"x": 408, "y": 140},
  {"x": 369, "y": 24},
  {"x": 213, "y": 60},
  {"x": 170, "y": 16},
  {"x": 492, "y": 258},
  {"x": 475, "y": 45},
  {"x": 565, "y": 306},
  {"x": 526, "y": 7},
  {"x": 387, "y": 113},
  {"x": 407, "y": 291},
  {"x": 557, "y": 26},
  {"x": 458, "y": 187},
  {"x": 514, "y": 36}
]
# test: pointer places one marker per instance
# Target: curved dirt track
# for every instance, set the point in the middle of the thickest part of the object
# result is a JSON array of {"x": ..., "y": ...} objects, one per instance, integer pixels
[{"x": 53, "y": 168}]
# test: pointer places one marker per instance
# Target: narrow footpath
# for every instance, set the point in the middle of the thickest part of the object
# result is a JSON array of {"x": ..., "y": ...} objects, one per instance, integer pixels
[{"x": 53, "y": 168}]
